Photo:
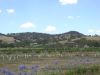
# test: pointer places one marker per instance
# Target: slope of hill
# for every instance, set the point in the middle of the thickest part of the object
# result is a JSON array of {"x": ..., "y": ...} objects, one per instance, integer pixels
[
  {"x": 39, "y": 37},
  {"x": 2, "y": 34},
  {"x": 30, "y": 39},
  {"x": 96, "y": 38},
  {"x": 74, "y": 33},
  {"x": 6, "y": 39}
]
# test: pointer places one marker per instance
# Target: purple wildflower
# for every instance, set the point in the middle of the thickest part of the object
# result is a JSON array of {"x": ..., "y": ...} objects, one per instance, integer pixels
[{"x": 22, "y": 67}]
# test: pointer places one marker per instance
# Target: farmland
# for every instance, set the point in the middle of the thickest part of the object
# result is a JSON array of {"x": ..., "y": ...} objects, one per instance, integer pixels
[
  {"x": 70, "y": 53},
  {"x": 49, "y": 37},
  {"x": 29, "y": 61}
]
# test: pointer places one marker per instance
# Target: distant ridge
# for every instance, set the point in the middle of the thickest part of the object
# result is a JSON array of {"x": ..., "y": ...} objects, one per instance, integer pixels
[
  {"x": 35, "y": 37},
  {"x": 75, "y": 33},
  {"x": 31, "y": 39},
  {"x": 2, "y": 34}
]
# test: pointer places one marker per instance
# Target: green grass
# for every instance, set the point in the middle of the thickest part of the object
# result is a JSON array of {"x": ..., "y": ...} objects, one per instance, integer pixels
[
  {"x": 93, "y": 70},
  {"x": 72, "y": 56},
  {"x": 50, "y": 50}
]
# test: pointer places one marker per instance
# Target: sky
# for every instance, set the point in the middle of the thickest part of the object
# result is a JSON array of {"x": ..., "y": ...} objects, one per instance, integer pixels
[{"x": 50, "y": 16}]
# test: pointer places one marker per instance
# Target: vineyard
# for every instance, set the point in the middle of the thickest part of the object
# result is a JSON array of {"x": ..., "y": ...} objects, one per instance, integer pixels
[{"x": 39, "y": 61}]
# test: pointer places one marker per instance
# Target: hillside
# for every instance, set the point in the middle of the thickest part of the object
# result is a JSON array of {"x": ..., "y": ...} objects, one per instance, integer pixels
[
  {"x": 41, "y": 38},
  {"x": 34, "y": 39},
  {"x": 6, "y": 39}
]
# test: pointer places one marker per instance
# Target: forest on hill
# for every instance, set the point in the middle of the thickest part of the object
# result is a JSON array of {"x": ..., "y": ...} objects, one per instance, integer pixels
[{"x": 34, "y": 39}]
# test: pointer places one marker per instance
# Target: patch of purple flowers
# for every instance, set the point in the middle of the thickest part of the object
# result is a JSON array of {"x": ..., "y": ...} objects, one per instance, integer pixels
[
  {"x": 35, "y": 68},
  {"x": 5, "y": 71},
  {"x": 22, "y": 67}
]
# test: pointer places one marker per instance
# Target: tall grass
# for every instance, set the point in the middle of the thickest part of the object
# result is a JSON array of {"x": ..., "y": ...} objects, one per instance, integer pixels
[
  {"x": 93, "y": 70},
  {"x": 35, "y": 70}
]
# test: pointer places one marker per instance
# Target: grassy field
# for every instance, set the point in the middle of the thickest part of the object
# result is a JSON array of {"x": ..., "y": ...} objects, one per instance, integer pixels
[{"x": 53, "y": 63}]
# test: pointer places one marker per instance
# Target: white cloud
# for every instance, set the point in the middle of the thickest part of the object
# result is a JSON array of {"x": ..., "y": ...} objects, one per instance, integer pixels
[
  {"x": 95, "y": 31},
  {"x": 73, "y": 17},
  {"x": 27, "y": 25},
  {"x": 98, "y": 31},
  {"x": 0, "y": 11},
  {"x": 65, "y": 2},
  {"x": 91, "y": 30},
  {"x": 10, "y": 11},
  {"x": 50, "y": 28},
  {"x": 70, "y": 17},
  {"x": 78, "y": 16}
]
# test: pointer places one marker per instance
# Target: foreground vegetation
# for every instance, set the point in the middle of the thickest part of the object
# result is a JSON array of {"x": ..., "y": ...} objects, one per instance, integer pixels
[
  {"x": 70, "y": 53},
  {"x": 94, "y": 70},
  {"x": 49, "y": 50},
  {"x": 34, "y": 70},
  {"x": 50, "y": 61}
]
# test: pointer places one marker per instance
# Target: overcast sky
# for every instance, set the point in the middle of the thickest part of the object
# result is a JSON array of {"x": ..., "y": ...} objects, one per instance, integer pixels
[{"x": 50, "y": 16}]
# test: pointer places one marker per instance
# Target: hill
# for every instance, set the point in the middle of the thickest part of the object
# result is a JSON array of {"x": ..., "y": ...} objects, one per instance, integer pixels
[
  {"x": 42, "y": 38},
  {"x": 34, "y": 39},
  {"x": 6, "y": 39}
]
